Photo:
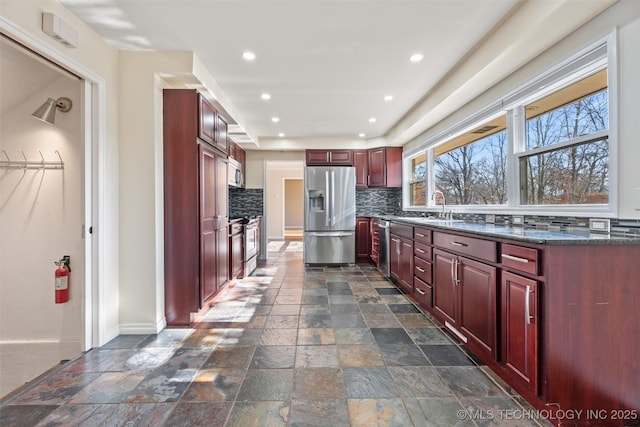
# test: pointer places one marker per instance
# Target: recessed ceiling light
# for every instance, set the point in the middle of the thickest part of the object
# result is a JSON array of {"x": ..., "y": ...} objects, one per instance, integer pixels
[
  {"x": 275, "y": 119},
  {"x": 265, "y": 96},
  {"x": 416, "y": 57},
  {"x": 281, "y": 135},
  {"x": 361, "y": 135},
  {"x": 372, "y": 120},
  {"x": 388, "y": 97},
  {"x": 248, "y": 56}
]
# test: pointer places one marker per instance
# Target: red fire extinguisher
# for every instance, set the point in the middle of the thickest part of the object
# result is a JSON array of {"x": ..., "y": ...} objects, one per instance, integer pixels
[{"x": 62, "y": 279}]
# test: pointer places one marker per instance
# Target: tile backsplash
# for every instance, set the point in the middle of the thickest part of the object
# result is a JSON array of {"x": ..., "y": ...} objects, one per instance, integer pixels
[
  {"x": 378, "y": 201},
  {"x": 245, "y": 202},
  {"x": 388, "y": 201}
]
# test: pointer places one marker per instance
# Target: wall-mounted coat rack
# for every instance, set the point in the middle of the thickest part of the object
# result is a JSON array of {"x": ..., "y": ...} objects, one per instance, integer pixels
[{"x": 31, "y": 164}]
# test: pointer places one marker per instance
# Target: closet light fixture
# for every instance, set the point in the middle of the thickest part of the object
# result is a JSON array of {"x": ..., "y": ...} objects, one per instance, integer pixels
[{"x": 47, "y": 111}]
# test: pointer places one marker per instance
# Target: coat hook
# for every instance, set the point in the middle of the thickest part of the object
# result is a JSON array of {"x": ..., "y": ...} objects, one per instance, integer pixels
[
  {"x": 42, "y": 159},
  {"x": 25, "y": 159}
]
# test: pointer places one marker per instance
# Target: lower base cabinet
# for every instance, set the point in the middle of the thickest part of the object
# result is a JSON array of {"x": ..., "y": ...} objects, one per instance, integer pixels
[
  {"x": 519, "y": 315},
  {"x": 465, "y": 298}
]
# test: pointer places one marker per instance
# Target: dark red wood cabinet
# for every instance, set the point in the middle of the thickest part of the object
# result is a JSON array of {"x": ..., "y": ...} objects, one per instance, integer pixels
[
  {"x": 206, "y": 120},
  {"x": 374, "y": 231},
  {"x": 519, "y": 314},
  {"x": 195, "y": 207},
  {"x": 329, "y": 157},
  {"x": 552, "y": 320},
  {"x": 221, "y": 134},
  {"x": 384, "y": 167},
  {"x": 361, "y": 163},
  {"x": 363, "y": 240}
]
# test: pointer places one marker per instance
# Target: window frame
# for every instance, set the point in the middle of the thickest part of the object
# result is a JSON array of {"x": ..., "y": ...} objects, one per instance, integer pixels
[{"x": 589, "y": 60}]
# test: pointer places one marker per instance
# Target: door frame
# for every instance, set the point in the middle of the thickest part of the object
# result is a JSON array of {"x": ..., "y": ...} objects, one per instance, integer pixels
[{"x": 93, "y": 95}]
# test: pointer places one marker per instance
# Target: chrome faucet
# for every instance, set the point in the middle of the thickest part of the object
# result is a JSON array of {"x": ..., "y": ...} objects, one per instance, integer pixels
[{"x": 444, "y": 202}]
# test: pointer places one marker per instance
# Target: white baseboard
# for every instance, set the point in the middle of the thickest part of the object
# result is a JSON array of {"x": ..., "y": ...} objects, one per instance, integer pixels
[{"x": 142, "y": 328}]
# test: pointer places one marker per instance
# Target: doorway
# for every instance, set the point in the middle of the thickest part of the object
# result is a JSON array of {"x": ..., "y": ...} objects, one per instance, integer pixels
[
  {"x": 45, "y": 199},
  {"x": 293, "y": 209}
]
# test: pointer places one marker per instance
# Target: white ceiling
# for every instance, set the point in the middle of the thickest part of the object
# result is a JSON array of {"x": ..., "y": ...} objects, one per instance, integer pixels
[{"x": 327, "y": 64}]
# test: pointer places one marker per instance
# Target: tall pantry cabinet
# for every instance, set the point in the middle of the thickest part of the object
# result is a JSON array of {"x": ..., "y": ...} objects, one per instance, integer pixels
[{"x": 195, "y": 204}]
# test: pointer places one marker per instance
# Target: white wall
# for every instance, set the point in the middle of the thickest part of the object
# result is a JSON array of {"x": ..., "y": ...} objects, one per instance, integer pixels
[
  {"x": 625, "y": 16},
  {"x": 41, "y": 215},
  {"x": 96, "y": 57},
  {"x": 255, "y": 164},
  {"x": 141, "y": 189},
  {"x": 294, "y": 203},
  {"x": 274, "y": 196}
]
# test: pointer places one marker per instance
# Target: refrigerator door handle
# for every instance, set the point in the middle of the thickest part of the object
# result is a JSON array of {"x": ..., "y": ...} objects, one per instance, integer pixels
[
  {"x": 326, "y": 207},
  {"x": 330, "y": 234},
  {"x": 333, "y": 197}
]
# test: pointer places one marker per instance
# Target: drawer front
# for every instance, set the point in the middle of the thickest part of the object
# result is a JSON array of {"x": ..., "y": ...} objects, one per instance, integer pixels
[
  {"x": 235, "y": 228},
  {"x": 421, "y": 250},
  {"x": 479, "y": 248},
  {"x": 423, "y": 293},
  {"x": 422, "y": 235},
  {"x": 402, "y": 230},
  {"x": 520, "y": 258},
  {"x": 422, "y": 269}
]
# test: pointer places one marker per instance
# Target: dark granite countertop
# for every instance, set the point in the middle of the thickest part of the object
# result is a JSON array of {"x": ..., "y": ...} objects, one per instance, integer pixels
[{"x": 530, "y": 235}]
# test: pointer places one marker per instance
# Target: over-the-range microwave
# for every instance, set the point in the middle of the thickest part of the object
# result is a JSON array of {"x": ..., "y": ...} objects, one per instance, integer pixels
[{"x": 235, "y": 173}]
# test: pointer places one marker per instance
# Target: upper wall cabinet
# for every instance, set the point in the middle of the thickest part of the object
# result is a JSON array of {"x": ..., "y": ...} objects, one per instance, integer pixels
[
  {"x": 379, "y": 167},
  {"x": 207, "y": 120},
  {"x": 212, "y": 127},
  {"x": 221, "y": 134},
  {"x": 329, "y": 157}
]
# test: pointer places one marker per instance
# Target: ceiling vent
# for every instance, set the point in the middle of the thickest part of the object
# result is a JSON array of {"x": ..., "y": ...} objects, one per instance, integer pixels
[
  {"x": 484, "y": 129},
  {"x": 59, "y": 30}
]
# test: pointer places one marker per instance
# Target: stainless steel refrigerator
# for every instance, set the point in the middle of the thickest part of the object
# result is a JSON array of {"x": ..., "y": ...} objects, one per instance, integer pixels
[{"x": 329, "y": 215}]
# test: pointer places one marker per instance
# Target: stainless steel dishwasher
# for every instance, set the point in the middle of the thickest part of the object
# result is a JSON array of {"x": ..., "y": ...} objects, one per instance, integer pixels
[{"x": 385, "y": 241}]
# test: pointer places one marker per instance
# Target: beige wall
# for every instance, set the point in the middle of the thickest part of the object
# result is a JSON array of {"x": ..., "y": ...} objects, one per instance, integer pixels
[
  {"x": 293, "y": 203},
  {"x": 93, "y": 56}
]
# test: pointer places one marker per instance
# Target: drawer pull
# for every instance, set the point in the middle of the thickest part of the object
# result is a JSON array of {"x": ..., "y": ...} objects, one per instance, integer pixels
[
  {"x": 458, "y": 244},
  {"x": 421, "y": 292},
  {"x": 420, "y": 250},
  {"x": 515, "y": 258},
  {"x": 421, "y": 270},
  {"x": 420, "y": 235}
]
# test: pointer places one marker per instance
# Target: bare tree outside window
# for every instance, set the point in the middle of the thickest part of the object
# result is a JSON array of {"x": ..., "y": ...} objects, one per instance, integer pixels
[
  {"x": 573, "y": 174},
  {"x": 476, "y": 173}
]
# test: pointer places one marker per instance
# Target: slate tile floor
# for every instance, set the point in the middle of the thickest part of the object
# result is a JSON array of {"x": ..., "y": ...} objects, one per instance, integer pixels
[{"x": 289, "y": 346}]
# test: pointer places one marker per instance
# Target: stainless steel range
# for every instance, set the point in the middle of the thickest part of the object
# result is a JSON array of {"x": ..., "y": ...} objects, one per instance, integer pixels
[{"x": 251, "y": 243}]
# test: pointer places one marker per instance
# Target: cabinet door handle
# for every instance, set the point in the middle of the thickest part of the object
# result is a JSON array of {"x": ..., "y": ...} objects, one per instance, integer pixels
[
  {"x": 453, "y": 277},
  {"x": 421, "y": 292},
  {"x": 421, "y": 270},
  {"x": 458, "y": 244},
  {"x": 368, "y": 180},
  {"x": 456, "y": 272},
  {"x": 420, "y": 250},
  {"x": 527, "y": 315},
  {"x": 515, "y": 258}
]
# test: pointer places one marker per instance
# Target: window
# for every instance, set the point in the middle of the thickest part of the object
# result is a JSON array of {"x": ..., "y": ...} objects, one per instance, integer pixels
[
  {"x": 566, "y": 160},
  {"x": 472, "y": 168},
  {"x": 418, "y": 183},
  {"x": 545, "y": 147}
]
